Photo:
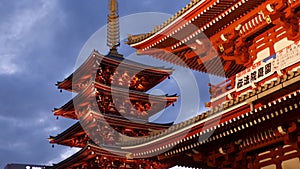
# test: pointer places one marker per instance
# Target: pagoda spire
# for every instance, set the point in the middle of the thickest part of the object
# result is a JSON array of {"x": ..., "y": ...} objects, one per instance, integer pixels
[{"x": 113, "y": 28}]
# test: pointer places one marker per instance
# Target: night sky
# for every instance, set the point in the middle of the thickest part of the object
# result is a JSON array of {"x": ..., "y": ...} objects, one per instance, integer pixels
[{"x": 40, "y": 42}]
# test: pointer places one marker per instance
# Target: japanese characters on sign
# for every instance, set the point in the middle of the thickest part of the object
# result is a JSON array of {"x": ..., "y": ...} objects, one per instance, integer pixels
[
  {"x": 263, "y": 69},
  {"x": 255, "y": 73}
]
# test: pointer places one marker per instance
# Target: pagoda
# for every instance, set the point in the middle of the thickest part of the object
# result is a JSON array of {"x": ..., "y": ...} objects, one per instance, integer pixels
[
  {"x": 111, "y": 106},
  {"x": 253, "y": 119}
]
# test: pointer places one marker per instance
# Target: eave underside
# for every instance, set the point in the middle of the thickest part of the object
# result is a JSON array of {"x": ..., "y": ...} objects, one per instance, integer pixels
[
  {"x": 96, "y": 100},
  {"x": 215, "y": 66},
  {"x": 211, "y": 12},
  {"x": 88, "y": 71},
  {"x": 78, "y": 136},
  {"x": 226, "y": 27}
]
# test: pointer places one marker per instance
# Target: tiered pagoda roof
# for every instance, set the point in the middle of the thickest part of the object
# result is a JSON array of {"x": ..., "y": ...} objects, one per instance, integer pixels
[
  {"x": 111, "y": 109},
  {"x": 101, "y": 69},
  {"x": 114, "y": 101},
  {"x": 111, "y": 104}
]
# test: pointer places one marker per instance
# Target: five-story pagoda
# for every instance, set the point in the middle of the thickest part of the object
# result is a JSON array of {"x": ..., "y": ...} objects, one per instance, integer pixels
[{"x": 111, "y": 106}]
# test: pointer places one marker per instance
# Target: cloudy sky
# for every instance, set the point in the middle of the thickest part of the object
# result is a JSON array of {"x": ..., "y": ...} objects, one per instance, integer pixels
[{"x": 39, "y": 45}]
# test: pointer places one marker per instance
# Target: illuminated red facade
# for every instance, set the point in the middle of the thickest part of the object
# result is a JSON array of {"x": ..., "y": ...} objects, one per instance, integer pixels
[
  {"x": 253, "y": 121},
  {"x": 253, "y": 117}
]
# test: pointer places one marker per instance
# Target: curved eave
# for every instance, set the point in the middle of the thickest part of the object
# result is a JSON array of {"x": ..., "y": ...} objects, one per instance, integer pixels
[
  {"x": 83, "y": 72},
  {"x": 169, "y": 25},
  {"x": 134, "y": 95},
  {"x": 177, "y": 52},
  {"x": 215, "y": 66},
  {"x": 77, "y": 129},
  {"x": 66, "y": 110},
  {"x": 66, "y": 84},
  {"x": 123, "y": 122},
  {"x": 66, "y": 137},
  {"x": 206, "y": 12},
  {"x": 83, "y": 98},
  {"x": 74, "y": 129},
  {"x": 89, "y": 152},
  {"x": 89, "y": 68}
]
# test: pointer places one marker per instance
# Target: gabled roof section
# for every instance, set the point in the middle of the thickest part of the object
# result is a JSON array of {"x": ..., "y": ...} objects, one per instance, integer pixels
[
  {"x": 215, "y": 36},
  {"x": 134, "y": 39},
  {"x": 203, "y": 14}
]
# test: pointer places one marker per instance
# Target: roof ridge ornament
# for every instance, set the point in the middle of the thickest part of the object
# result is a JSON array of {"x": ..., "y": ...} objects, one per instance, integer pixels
[{"x": 113, "y": 28}]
